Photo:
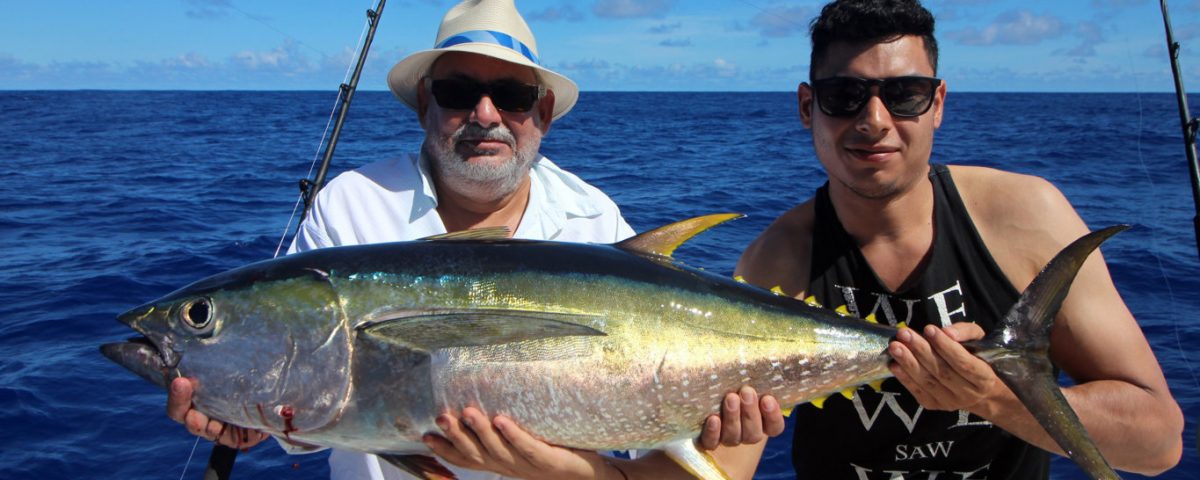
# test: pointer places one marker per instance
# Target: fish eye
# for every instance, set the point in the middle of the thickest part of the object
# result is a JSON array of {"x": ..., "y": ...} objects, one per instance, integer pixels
[{"x": 197, "y": 314}]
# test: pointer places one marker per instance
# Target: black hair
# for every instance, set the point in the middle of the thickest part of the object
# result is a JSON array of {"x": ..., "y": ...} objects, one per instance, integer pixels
[{"x": 870, "y": 21}]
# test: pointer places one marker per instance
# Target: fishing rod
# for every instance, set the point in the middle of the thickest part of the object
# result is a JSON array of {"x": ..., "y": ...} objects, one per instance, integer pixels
[
  {"x": 309, "y": 188},
  {"x": 1190, "y": 125},
  {"x": 222, "y": 458}
]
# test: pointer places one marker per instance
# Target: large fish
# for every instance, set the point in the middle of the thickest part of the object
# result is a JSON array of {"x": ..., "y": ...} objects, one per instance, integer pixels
[{"x": 603, "y": 347}]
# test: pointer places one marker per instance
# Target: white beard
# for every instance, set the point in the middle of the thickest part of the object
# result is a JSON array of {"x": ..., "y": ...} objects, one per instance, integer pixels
[{"x": 483, "y": 181}]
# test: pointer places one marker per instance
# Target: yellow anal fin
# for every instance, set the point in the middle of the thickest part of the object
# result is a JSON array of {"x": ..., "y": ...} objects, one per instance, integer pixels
[
  {"x": 665, "y": 239},
  {"x": 699, "y": 464}
]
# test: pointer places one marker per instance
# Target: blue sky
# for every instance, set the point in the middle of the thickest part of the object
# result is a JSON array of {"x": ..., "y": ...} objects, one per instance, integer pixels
[{"x": 604, "y": 45}]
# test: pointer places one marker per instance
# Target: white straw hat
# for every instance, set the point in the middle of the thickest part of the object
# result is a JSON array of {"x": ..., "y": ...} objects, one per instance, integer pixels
[{"x": 486, "y": 27}]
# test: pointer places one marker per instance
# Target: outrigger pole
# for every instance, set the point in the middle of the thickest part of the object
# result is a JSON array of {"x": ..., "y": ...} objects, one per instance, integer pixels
[
  {"x": 220, "y": 461},
  {"x": 1190, "y": 125}
]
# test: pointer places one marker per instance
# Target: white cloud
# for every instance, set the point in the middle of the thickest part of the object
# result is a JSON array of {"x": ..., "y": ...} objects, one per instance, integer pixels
[
  {"x": 566, "y": 12},
  {"x": 631, "y": 8},
  {"x": 781, "y": 21},
  {"x": 1012, "y": 28}
]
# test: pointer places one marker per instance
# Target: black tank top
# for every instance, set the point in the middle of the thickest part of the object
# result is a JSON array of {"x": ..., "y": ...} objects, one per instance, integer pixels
[{"x": 888, "y": 435}]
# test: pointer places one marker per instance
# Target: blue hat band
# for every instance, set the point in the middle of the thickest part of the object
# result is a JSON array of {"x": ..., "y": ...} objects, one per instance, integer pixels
[{"x": 493, "y": 37}]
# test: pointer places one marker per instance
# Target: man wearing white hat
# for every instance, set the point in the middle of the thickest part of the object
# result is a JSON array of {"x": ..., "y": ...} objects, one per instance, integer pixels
[{"x": 485, "y": 102}]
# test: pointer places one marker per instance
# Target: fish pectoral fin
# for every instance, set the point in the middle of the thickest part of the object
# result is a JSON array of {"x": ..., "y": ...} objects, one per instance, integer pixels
[
  {"x": 664, "y": 240},
  {"x": 433, "y": 329},
  {"x": 698, "y": 463},
  {"x": 420, "y": 466},
  {"x": 483, "y": 233}
]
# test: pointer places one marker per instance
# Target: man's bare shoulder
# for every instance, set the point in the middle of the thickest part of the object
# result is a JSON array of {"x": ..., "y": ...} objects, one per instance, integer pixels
[
  {"x": 1023, "y": 219},
  {"x": 780, "y": 254}
]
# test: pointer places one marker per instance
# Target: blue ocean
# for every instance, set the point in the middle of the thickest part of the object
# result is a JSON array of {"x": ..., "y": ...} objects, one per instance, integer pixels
[{"x": 109, "y": 199}]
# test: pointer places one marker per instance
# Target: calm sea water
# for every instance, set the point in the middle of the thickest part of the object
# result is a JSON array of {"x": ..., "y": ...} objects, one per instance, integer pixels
[{"x": 110, "y": 199}]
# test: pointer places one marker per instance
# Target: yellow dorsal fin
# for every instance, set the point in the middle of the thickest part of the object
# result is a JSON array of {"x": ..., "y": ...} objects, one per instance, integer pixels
[
  {"x": 739, "y": 279},
  {"x": 484, "y": 233},
  {"x": 842, "y": 310},
  {"x": 877, "y": 385},
  {"x": 871, "y": 318},
  {"x": 787, "y": 412},
  {"x": 820, "y": 402},
  {"x": 665, "y": 239},
  {"x": 901, "y": 325},
  {"x": 812, "y": 300},
  {"x": 777, "y": 290}
]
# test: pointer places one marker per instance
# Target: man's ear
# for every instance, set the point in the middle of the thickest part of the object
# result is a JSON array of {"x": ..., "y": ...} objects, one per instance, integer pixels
[
  {"x": 804, "y": 96},
  {"x": 422, "y": 102},
  {"x": 545, "y": 111},
  {"x": 939, "y": 104}
]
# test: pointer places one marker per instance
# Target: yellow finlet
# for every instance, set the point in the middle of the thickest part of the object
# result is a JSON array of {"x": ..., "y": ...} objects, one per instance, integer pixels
[
  {"x": 876, "y": 385},
  {"x": 901, "y": 325},
  {"x": 848, "y": 393},
  {"x": 812, "y": 300},
  {"x": 787, "y": 412},
  {"x": 777, "y": 290},
  {"x": 820, "y": 402},
  {"x": 665, "y": 239},
  {"x": 739, "y": 279},
  {"x": 842, "y": 310},
  {"x": 871, "y": 318}
]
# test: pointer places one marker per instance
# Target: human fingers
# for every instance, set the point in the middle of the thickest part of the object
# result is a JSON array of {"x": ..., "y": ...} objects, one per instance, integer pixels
[
  {"x": 731, "y": 419},
  {"x": 179, "y": 399},
  {"x": 464, "y": 449},
  {"x": 542, "y": 460},
  {"x": 710, "y": 433},
  {"x": 968, "y": 377},
  {"x": 496, "y": 448},
  {"x": 964, "y": 331},
  {"x": 752, "y": 428},
  {"x": 773, "y": 422}
]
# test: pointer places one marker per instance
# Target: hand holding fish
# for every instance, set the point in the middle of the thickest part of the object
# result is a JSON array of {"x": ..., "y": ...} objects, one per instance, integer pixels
[
  {"x": 180, "y": 409},
  {"x": 500, "y": 445},
  {"x": 745, "y": 418},
  {"x": 938, "y": 370}
]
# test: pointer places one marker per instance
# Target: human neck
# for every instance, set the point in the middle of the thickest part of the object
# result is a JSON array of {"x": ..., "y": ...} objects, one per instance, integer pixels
[
  {"x": 463, "y": 211},
  {"x": 872, "y": 219}
]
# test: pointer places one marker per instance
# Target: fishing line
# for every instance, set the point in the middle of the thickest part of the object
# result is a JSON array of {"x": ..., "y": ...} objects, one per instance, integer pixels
[
  {"x": 1154, "y": 239},
  {"x": 324, "y": 133},
  {"x": 189, "y": 459}
]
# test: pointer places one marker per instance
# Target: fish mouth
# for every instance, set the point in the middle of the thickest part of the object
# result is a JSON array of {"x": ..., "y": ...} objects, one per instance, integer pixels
[{"x": 140, "y": 356}]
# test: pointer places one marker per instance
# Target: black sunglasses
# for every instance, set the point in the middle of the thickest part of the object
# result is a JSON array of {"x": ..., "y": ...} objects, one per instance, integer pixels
[
  {"x": 464, "y": 94},
  {"x": 903, "y": 96}
]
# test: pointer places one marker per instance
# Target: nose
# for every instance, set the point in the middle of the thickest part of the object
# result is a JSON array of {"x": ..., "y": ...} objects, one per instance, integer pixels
[
  {"x": 485, "y": 112},
  {"x": 874, "y": 119}
]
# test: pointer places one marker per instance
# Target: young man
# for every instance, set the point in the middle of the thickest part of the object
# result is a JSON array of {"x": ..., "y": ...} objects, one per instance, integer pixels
[
  {"x": 937, "y": 247},
  {"x": 485, "y": 103}
]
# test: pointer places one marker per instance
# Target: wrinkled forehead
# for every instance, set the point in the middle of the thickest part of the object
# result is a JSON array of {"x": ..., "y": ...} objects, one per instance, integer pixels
[{"x": 480, "y": 67}]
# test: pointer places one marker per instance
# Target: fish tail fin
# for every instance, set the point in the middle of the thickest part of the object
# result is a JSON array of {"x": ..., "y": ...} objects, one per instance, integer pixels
[{"x": 1018, "y": 352}]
